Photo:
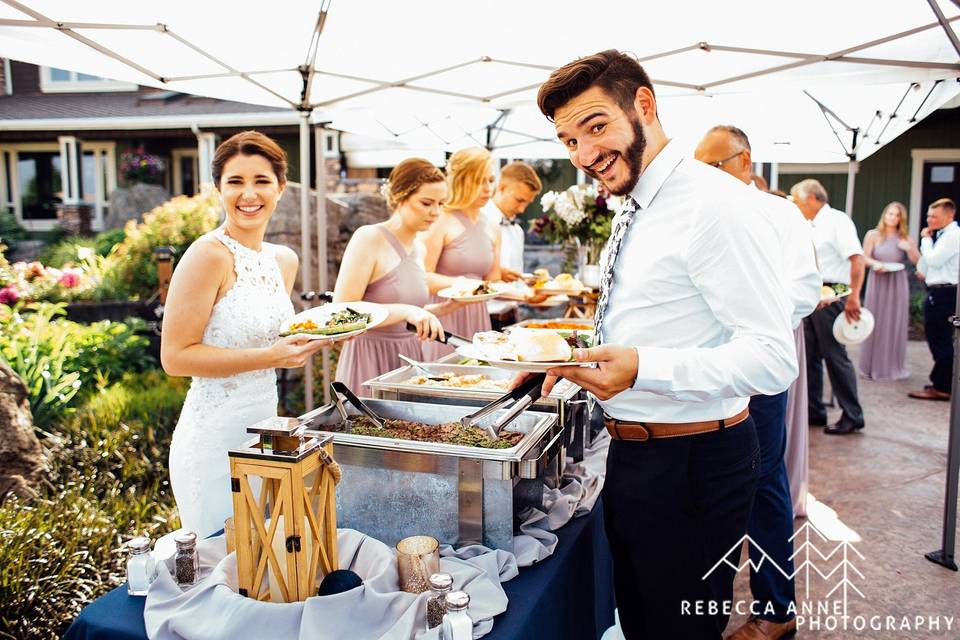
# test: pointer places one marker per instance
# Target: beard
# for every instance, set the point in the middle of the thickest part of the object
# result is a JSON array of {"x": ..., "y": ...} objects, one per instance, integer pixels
[{"x": 632, "y": 157}]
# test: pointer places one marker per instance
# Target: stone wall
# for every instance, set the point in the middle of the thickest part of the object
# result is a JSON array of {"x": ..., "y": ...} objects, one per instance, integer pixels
[
  {"x": 346, "y": 212},
  {"x": 129, "y": 203}
]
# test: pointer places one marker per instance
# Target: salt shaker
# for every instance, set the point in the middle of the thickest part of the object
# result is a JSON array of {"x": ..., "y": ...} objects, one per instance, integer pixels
[
  {"x": 187, "y": 562},
  {"x": 440, "y": 585},
  {"x": 141, "y": 568},
  {"x": 457, "y": 624}
]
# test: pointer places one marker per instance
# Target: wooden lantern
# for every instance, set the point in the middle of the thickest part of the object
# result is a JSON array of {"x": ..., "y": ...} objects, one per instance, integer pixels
[{"x": 286, "y": 530}]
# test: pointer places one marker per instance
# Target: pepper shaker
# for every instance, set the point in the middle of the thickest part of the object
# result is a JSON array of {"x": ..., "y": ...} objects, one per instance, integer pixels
[
  {"x": 187, "y": 562},
  {"x": 141, "y": 568},
  {"x": 457, "y": 624},
  {"x": 440, "y": 585}
]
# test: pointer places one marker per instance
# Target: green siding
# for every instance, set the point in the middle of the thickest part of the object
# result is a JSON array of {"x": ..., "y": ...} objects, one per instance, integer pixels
[{"x": 885, "y": 176}]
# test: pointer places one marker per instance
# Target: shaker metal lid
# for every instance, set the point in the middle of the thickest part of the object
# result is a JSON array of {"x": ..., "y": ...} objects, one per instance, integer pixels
[
  {"x": 441, "y": 581},
  {"x": 185, "y": 538},
  {"x": 140, "y": 544},
  {"x": 457, "y": 600}
]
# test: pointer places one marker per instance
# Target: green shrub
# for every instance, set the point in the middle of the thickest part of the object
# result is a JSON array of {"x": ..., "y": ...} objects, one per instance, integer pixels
[
  {"x": 10, "y": 230},
  {"x": 108, "y": 463},
  {"x": 58, "y": 359},
  {"x": 176, "y": 223},
  {"x": 63, "y": 253},
  {"x": 105, "y": 241}
]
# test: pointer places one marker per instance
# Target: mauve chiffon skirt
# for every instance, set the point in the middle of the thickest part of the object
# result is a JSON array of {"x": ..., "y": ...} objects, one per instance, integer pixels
[
  {"x": 884, "y": 353},
  {"x": 375, "y": 353},
  {"x": 464, "y": 323},
  {"x": 796, "y": 455}
]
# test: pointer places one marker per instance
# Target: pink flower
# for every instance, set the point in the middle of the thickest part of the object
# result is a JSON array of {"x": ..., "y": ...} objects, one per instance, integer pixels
[
  {"x": 69, "y": 278},
  {"x": 9, "y": 295}
]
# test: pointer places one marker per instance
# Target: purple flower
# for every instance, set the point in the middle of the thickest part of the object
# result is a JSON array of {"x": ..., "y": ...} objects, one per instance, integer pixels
[{"x": 9, "y": 295}]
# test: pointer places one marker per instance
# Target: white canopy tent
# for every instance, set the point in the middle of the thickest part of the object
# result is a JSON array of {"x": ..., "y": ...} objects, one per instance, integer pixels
[{"x": 817, "y": 81}]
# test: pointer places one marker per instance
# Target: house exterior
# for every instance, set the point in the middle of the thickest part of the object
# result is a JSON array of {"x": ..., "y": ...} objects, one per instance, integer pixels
[{"x": 62, "y": 135}]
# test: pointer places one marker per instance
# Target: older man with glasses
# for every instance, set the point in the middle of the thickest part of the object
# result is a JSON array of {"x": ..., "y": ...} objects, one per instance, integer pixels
[{"x": 770, "y": 525}]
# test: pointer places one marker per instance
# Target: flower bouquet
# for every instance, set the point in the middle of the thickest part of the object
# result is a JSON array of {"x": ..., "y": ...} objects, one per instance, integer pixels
[{"x": 579, "y": 215}]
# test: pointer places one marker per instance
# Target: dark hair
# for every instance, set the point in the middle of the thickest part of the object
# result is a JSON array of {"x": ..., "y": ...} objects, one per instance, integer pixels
[
  {"x": 407, "y": 177},
  {"x": 945, "y": 203},
  {"x": 250, "y": 143},
  {"x": 734, "y": 132},
  {"x": 618, "y": 74}
]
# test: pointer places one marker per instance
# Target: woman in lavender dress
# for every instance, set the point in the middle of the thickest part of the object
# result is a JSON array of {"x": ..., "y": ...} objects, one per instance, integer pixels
[
  {"x": 888, "y": 295},
  {"x": 464, "y": 242},
  {"x": 383, "y": 263}
]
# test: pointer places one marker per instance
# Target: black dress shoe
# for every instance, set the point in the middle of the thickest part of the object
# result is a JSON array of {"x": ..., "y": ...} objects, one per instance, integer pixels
[
  {"x": 818, "y": 422},
  {"x": 843, "y": 428}
]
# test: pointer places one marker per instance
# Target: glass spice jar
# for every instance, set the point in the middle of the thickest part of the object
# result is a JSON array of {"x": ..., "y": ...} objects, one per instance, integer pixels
[
  {"x": 440, "y": 585},
  {"x": 457, "y": 624},
  {"x": 141, "y": 567},
  {"x": 187, "y": 562}
]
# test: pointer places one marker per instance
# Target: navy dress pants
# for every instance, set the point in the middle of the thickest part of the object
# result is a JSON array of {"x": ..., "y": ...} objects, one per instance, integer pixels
[{"x": 771, "y": 520}]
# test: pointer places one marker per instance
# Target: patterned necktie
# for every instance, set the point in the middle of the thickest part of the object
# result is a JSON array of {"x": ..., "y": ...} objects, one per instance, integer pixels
[{"x": 610, "y": 260}]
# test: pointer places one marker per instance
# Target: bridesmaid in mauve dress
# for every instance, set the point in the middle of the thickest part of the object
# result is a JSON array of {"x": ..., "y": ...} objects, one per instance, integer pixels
[
  {"x": 383, "y": 263},
  {"x": 464, "y": 243},
  {"x": 796, "y": 453},
  {"x": 883, "y": 354}
]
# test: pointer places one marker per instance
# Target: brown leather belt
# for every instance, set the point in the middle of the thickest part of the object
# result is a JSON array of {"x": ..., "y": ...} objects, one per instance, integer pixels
[{"x": 642, "y": 431}]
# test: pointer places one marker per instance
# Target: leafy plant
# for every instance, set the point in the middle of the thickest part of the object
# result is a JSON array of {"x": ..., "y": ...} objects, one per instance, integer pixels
[
  {"x": 137, "y": 165},
  {"x": 66, "y": 252},
  {"x": 176, "y": 223},
  {"x": 107, "y": 482},
  {"x": 10, "y": 230}
]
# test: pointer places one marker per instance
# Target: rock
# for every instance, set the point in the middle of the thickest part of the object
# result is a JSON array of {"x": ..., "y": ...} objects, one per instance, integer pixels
[
  {"x": 129, "y": 203},
  {"x": 21, "y": 457},
  {"x": 346, "y": 212}
]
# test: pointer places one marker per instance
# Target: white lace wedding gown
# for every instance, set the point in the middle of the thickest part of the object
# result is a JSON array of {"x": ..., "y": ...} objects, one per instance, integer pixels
[{"x": 217, "y": 411}]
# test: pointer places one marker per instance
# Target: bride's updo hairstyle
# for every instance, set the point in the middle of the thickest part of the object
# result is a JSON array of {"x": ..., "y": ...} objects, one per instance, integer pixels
[
  {"x": 406, "y": 178},
  {"x": 466, "y": 171},
  {"x": 250, "y": 143}
]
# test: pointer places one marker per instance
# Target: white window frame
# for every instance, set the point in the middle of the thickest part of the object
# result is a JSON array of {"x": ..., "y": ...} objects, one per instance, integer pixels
[
  {"x": 104, "y": 151},
  {"x": 920, "y": 157},
  {"x": 49, "y": 85},
  {"x": 177, "y": 174}
]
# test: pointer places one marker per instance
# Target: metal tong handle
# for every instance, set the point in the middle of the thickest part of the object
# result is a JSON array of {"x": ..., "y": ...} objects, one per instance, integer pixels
[
  {"x": 448, "y": 338},
  {"x": 475, "y": 417},
  {"x": 339, "y": 387},
  {"x": 532, "y": 393},
  {"x": 416, "y": 365}
]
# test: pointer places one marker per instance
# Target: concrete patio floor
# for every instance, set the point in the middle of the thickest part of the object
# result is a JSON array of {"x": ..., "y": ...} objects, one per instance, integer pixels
[{"x": 885, "y": 483}]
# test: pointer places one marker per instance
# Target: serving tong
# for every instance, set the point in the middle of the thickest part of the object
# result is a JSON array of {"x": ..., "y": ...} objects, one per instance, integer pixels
[
  {"x": 422, "y": 369},
  {"x": 451, "y": 339},
  {"x": 523, "y": 396},
  {"x": 340, "y": 388}
]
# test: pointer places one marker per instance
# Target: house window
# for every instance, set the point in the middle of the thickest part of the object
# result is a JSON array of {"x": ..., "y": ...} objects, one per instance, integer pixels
[{"x": 54, "y": 80}]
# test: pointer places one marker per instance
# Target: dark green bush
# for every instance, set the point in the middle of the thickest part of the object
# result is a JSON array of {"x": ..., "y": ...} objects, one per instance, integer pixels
[
  {"x": 108, "y": 482},
  {"x": 10, "y": 230},
  {"x": 65, "y": 252}
]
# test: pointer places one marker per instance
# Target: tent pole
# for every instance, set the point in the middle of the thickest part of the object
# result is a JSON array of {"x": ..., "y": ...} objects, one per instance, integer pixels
[
  {"x": 852, "y": 167},
  {"x": 945, "y": 554},
  {"x": 323, "y": 283},
  {"x": 305, "y": 270}
]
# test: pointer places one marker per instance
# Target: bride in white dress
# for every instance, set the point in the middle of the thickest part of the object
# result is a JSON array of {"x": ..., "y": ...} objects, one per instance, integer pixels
[{"x": 228, "y": 301}]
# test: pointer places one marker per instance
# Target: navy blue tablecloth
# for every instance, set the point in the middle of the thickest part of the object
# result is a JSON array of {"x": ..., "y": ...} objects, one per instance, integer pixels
[{"x": 568, "y": 595}]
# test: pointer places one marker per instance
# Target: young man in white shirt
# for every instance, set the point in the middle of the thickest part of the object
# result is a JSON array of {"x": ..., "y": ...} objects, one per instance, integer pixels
[
  {"x": 770, "y": 526},
  {"x": 693, "y": 320},
  {"x": 940, "y": 251},
  {"x": 840, "y": 255},
  {"x": 518, "y": 186}
]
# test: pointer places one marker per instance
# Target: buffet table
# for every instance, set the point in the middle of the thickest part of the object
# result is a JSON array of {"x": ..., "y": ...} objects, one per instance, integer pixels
[{"x": 550, "y": 599}]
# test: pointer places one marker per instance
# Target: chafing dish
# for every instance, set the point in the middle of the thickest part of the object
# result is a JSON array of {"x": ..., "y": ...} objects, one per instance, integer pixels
[
  {"x": 458, "y": 494},
  {"x": 566, "y": 400}
]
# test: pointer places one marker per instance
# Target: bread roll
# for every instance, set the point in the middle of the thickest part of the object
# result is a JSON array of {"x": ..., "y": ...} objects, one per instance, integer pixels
[{"x": 540, "y": 346}]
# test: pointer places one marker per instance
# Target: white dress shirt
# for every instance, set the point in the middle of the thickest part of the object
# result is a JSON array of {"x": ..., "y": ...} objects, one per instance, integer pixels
[
  {"x": 799, "y": 258},
  {"x": 836, "y": 239},
  {"x": 941, "y": 261},
  {"x": 512, "y": 238},
  {"x": 698, "y": 292}
]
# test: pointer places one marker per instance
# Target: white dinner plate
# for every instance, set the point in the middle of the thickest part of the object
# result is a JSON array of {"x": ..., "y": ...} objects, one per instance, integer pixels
[
  {"x": 893, "y": 267},
  {"x": 552, "y": 301},
  {"x": 837, "y": 297},
  {"x": 850, "y": 333},
  {"x": 469, "y": 351},
  {"x": 448, "y": 293},
  {"x": 320, "y": 315}
]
